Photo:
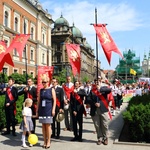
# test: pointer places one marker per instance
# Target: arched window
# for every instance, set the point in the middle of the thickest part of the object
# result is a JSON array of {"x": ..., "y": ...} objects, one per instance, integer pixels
[
  {"x": 16, "y": 24},
  {"x": 32, "y": 32},
  {"x": 6, "y": 18}
]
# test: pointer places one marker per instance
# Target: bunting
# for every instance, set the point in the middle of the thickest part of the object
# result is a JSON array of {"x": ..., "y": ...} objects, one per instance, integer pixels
[
  {"x": 73, "y": 51},
  {"x": 106, "y": 41},
  {"x": 4, "y": 56},
  {"x": 18, "y": 43}
]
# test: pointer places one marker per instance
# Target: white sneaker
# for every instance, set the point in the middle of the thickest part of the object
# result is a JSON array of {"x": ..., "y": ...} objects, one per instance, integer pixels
[
  {"x": 24, "y": 146},
  {"x": 30, "y": 145}
]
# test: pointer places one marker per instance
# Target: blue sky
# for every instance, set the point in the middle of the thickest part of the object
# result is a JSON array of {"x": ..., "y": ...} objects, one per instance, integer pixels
[{"x": 128, "y": 23}]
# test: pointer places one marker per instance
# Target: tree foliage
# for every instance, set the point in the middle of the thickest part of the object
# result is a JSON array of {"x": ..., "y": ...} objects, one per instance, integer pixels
[{"x": 138, "y": 117}]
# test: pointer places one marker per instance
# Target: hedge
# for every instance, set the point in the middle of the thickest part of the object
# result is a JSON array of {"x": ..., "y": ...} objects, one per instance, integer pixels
[{"x": 138, "y": 118}]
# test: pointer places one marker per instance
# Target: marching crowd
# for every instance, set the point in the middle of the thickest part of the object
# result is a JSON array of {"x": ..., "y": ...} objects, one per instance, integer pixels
[{"x": 100, "y": 98}]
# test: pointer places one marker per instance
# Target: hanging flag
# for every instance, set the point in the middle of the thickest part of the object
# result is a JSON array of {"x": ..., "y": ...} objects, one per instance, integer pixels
[
  {"x": 43, "y": 71},
  {"x": 73, "y": 51},
  {"x": 132, "y": 71},
  {"x": 18, "y": 43},
  {"x": 106, "y": 41},
  {"x": 4, "y": 56}
]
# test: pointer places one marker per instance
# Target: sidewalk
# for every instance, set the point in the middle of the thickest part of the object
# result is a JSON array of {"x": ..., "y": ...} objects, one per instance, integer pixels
[{"x": 89, "y": 138}]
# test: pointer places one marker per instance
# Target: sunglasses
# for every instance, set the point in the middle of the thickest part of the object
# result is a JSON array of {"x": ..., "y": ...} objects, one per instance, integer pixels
[{"x": 43, "y": 82}]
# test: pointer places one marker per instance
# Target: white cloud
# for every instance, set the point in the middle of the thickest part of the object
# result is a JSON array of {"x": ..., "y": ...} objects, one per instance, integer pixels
[{"x": 119, "y": 17}]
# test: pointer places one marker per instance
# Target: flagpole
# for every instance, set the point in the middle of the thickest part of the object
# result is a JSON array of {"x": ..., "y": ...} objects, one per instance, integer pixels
[
  {"x": 25, "y": 54},
  {"x": 96, "y": 46}
]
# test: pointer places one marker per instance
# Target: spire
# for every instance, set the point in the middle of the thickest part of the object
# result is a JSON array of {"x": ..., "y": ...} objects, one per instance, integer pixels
[
  {"x": 145, "y": 56},
  {"x": 149, "y": 55}
]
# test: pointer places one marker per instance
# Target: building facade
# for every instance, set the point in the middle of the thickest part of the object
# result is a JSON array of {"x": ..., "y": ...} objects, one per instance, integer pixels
[
  {"x": 26, "y": 17},
  {"x": 63, "y": 33},
  {"x": 46, "y": 45},
  {"x": 146, "y": 65}
]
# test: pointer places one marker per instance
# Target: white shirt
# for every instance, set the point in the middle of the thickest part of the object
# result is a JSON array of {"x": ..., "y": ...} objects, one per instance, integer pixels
[{"x": 27, "y": 111}]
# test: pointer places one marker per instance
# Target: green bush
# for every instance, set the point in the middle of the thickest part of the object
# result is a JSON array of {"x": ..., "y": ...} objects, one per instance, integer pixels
[
  {"x": 2, "y": 111},
  {"x": 138, "y": 118}
]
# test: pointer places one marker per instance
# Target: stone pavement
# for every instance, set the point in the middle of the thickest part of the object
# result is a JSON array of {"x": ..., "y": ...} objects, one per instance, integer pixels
[{"x": 89, "y": 138}]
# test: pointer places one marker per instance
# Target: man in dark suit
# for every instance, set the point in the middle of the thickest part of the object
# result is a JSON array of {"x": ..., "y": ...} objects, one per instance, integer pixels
[
  {"x": 59, "y": 107},
  {"x": 30, "y": 91},
  {"x": 77, "y": 107},
  {"x": 11, "y": 96}
]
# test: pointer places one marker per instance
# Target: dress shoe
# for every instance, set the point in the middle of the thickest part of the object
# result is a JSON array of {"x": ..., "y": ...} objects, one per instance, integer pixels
[
  {"x": 105, "y": 141},
  {"x": 80, "y": 140},
  {"x": 57, "y": 137},
  {"x": 5, "y": 133},
  {"x": 14, "y": 134},
  {"x": 99, "y": 142},
  {"x": 52, "y": 136},
  {"x": 74, "y": 139}
]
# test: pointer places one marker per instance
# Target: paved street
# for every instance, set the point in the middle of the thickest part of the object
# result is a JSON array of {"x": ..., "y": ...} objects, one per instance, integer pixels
[{"x": 89, "y": 138}]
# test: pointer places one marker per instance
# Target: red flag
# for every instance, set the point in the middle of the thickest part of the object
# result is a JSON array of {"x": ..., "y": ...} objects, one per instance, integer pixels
[
  {"x": 4, "y": 56},
  {"x": 19, "y": 43},
  {"x": 73, "y": 51},
  {"x": 106, "y": 41},
  {"x": 43, "y": 71}
]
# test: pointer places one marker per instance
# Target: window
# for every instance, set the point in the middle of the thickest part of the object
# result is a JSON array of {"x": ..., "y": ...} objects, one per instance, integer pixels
[
  {"x": 15, "y": 52},
  {"x": 15, "y": 70},
  {"x": 58, "y": 58},
  {"x": 32, "y": 74},
  {"x": 25, "y": 27},
  {"x": 43, "y": 57},
  {"x": 6, "y": 18},
  {"x": 32, "y": 33},
  {"x": 5, "y": 70},
  {"x": 43, "y": 38},
  {"x": 24, "y": 53},
  {"x": 16, "y": 24},
  {"x": 24, "y": 72},
  {"x": 31, "y": 55}
]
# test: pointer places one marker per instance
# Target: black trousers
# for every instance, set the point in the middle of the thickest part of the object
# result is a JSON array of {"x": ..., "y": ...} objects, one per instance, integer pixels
[
  {"x": 78, "y": 121},
  {"x": 10, "y": 119},
  {"x": 55, "y": 127}
]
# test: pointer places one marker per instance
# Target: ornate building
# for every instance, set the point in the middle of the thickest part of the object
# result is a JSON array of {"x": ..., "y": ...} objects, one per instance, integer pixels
[
  {"x": 26, "y": 17},
  {"x": 64, "y": 33},
  {"x": 146, "y": 65}
]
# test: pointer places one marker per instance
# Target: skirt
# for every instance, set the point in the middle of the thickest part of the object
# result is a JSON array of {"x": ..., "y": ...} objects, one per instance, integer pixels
[
  {"x": 29, "y": 124},
  {"x": 46, "y": 119}
]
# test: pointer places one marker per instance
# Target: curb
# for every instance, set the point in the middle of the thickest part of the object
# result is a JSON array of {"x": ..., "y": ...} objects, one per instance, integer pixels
[{"x": 116, "y": 141}]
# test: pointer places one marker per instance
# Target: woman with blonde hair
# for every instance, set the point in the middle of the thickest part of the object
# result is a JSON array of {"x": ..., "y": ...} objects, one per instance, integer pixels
[{"x": 46, "y": 110}]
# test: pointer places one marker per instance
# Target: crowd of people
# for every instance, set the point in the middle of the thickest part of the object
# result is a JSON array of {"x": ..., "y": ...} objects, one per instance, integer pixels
[{"x": 100, "y": 99}]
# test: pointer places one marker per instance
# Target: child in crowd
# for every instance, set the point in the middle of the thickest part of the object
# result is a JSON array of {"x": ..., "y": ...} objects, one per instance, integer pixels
[{"x": 27, "y": 124}]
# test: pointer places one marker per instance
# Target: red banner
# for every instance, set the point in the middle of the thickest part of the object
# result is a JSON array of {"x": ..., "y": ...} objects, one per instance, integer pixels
[
  {"x": 18, "y": 43},
  {"x": 4, "y": 56},
  {"x": 106, "y": 41},
  {"x": 43, "y": 71},
  {"x": 73, "y": 51}
]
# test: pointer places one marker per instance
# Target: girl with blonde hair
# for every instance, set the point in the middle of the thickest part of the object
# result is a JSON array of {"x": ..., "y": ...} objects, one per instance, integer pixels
[{"x": 26, "y": 124}]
